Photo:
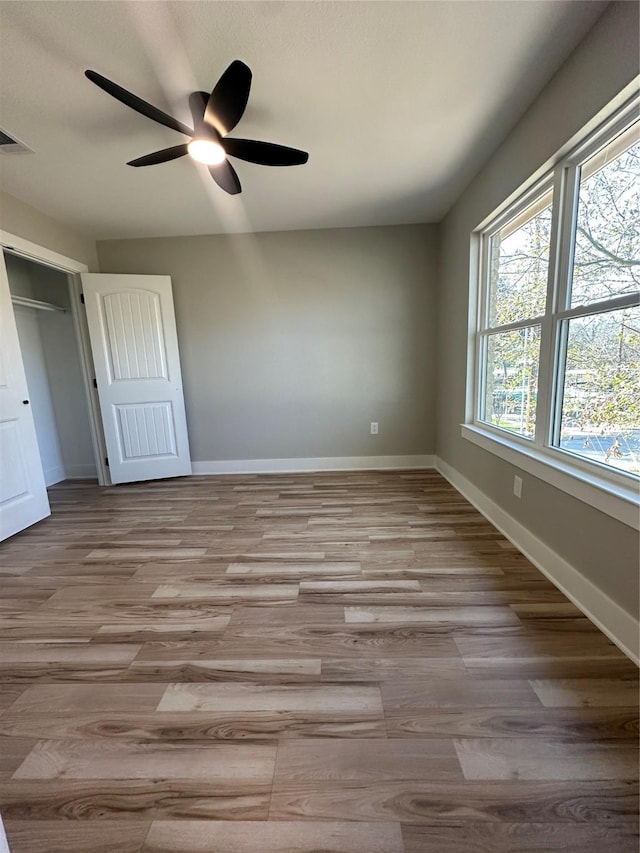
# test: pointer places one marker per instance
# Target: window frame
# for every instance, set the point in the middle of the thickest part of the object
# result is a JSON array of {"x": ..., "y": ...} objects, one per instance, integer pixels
[
  {"x": 604, "y": 487},
  {"x": 483, "y": 329}
]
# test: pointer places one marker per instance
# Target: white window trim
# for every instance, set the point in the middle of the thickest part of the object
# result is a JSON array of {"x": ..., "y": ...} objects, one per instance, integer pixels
[{"x": 607, "y": 490}]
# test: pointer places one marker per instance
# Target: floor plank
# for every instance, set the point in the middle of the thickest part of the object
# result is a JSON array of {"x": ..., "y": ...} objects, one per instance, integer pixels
[
  {"x": 605, "y": 803},
  {"x": 95, "y": 836},
  {"x": 361, "y": 760},
  {"x": 83, "y": 799},
  {"x": 289, "y": 837},
  {"x": 77, "y": 759},
  {"x": 457, "y": 693},
  {"x": 584, "y": 692},
  {"x": 519, "y": 838},
  {"x": 515, "y": 758},
  {"x": 252, "y": 697}
]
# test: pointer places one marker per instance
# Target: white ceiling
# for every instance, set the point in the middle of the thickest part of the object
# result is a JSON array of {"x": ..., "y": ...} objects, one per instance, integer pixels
[{"x": 398, "y": 103}]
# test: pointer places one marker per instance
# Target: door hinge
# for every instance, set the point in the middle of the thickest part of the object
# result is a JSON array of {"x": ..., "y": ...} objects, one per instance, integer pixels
[
  {"x": 106, "y": 461},
  {"x": 95, "y": 382},
  {"x": 82, "y": 298}
]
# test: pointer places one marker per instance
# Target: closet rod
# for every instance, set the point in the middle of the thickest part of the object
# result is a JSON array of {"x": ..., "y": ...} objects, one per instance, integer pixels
[{"x": 36, "y": 303}]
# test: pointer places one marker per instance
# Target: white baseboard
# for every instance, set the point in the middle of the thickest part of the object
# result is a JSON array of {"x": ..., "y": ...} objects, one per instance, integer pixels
[
  {"x": 320, "y": 463},
  {"x": 619, "y": 625}
]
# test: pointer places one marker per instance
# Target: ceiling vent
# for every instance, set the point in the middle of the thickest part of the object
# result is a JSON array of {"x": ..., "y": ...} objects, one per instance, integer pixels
[{"x": 11, "y": 145}]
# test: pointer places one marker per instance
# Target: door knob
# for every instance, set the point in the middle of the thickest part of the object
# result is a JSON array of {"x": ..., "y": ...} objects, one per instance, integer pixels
[{"x": 25, "y": 402}]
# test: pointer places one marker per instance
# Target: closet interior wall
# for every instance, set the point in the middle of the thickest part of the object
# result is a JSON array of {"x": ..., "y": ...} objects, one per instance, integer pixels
[{"x": 52, "y": 365}]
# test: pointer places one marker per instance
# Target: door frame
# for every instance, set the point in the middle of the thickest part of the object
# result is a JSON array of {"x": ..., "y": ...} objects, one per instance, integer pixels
[{"x": 46, "y": 257}]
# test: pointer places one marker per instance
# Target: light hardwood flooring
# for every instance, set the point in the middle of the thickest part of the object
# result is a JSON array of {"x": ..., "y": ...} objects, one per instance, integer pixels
[{"x": 345, "y": 663}]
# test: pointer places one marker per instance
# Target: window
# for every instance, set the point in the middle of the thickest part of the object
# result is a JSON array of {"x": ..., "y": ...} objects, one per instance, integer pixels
[
  {"x": 557, "y": 343},
  {"x": 517, "y": 271}
]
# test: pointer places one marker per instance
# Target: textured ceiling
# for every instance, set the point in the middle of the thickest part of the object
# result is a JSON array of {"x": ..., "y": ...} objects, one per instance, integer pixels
[{"x": 398, "y": 103}]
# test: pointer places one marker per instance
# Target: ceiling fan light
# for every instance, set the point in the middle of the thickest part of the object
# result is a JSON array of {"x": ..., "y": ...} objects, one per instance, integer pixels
[{"x": 206, "y": 151}]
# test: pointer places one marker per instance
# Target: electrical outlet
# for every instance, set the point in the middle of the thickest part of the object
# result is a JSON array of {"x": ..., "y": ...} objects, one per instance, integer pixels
[
  {"x": 374, "y": 427},
  {"x": 517, "y": 486}
]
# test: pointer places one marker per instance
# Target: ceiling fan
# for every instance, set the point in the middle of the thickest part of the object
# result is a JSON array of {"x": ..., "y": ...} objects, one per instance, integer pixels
[{"x": 214, "y": 116}]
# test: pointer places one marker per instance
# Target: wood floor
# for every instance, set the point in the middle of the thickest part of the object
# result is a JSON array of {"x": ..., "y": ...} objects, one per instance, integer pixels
[{"x": 345, "y": 663}]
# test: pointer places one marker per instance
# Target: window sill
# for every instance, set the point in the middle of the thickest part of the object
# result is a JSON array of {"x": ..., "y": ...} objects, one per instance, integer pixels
[{"x": 619, "y": 501}]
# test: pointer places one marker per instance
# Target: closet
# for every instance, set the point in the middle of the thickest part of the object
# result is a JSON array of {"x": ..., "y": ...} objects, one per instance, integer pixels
[
  {"x": 90, "y": 380},
  {"x": 49, "y": 347}
]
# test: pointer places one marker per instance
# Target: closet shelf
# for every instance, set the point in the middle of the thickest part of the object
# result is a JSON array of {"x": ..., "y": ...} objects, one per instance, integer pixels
[{"x": 36, "y": 303}]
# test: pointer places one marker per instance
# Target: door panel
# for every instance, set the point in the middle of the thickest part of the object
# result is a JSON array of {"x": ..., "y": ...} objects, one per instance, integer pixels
[
  {"x": 135, "y": 349},
  {"x": 135, "y": 336},
  {"x": 14, "y": 475},
  {"x": 147, "y": 430},
  {"x": 23, "y": 494}
]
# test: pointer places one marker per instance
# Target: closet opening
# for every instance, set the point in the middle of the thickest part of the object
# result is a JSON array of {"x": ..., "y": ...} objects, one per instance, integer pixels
[{"x": 58, "y": 367}]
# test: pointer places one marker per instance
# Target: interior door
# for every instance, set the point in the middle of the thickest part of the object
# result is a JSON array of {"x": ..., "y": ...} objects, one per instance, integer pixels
[
  {"x": 133, "y": 337},
  {"x": 23, "y": 494}
]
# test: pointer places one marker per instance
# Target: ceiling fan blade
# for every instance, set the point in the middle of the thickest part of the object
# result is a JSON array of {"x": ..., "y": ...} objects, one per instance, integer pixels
[
  {"x": 226, "y": 178},
  {"x": 229, "y": 98},
  {"x": 160, "y": 156},
  {"x": 136, "y": 103},
  {"x": 264, "y": 153},
  {"x": 198, "y": 104}
]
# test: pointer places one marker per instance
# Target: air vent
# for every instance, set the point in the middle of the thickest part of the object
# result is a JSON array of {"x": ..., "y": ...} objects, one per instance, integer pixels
[{"x": 12, "y": 145}]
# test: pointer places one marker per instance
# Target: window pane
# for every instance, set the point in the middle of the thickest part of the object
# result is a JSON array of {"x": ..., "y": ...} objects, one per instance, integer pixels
[
  {"x": 519, "y": 265},
  {"x": 607, "y": 243},
  {"x": 601, "y": 395},
  {"x": 511, "y": 380}
]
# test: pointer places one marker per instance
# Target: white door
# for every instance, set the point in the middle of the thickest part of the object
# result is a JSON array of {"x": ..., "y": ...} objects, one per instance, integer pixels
[
  {"x": 23, "y": 494},
  {"x": 135, "y": 352}
]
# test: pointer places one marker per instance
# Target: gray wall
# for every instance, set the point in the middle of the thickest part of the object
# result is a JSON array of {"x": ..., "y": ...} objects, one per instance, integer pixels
[
  {"x": 34, "y": 361},
  {"x": 25, "y": 221},
  {"x": 293, "y": 342},
  {"x": 604, "y": 550}
]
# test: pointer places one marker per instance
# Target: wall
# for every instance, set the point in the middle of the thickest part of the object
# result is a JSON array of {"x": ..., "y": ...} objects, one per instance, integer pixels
[
  {"x": 293, "y": 342},
  {"x": 602, "y": 549},
  {"x": 20, "y": 219},
  {"x": 64, "y": 381},
  {"x": 39, "y": 394}
]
